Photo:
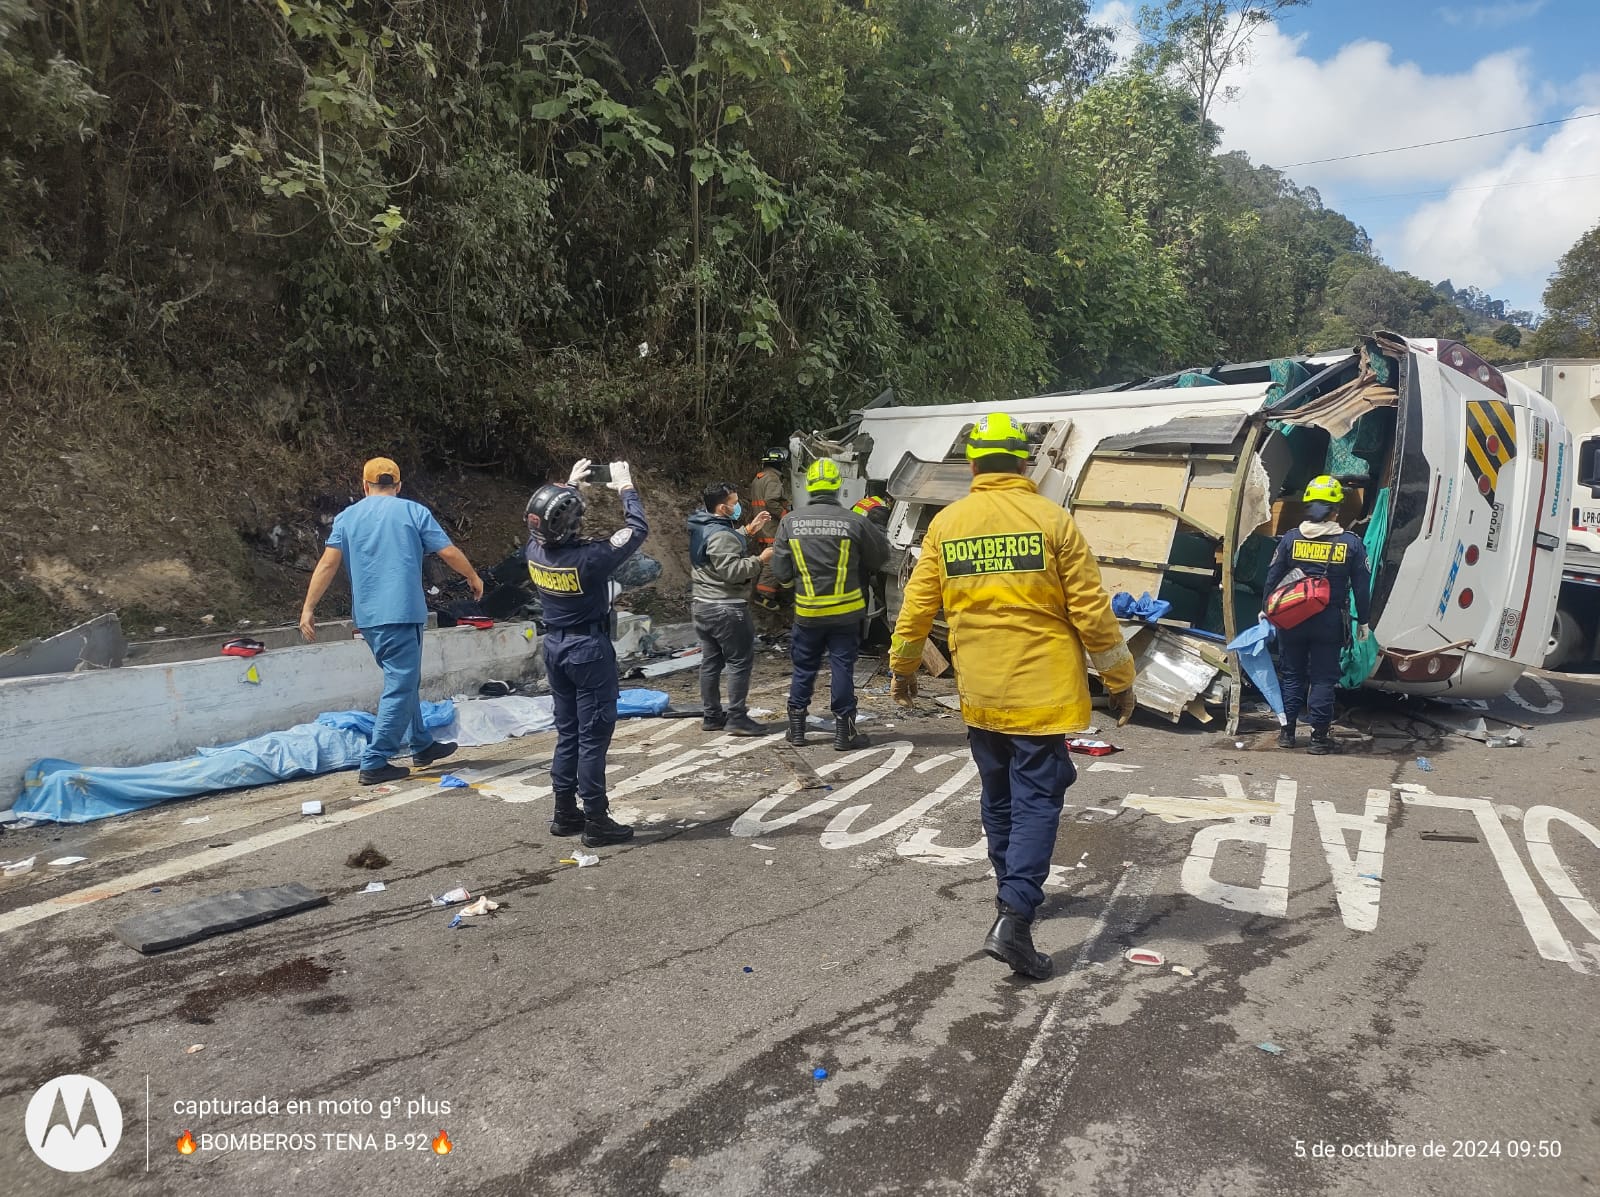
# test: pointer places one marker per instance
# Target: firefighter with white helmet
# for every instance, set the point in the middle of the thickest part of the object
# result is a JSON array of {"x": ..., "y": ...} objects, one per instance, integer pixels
[{"x": 1021, "y": 593}]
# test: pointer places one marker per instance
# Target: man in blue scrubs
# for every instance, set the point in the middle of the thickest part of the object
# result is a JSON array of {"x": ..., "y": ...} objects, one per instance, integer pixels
[{"x": 384, "y": 538}]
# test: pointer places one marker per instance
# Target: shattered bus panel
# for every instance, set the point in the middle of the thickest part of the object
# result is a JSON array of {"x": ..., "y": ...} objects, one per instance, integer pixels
[{"x": 1458, "y": 478}]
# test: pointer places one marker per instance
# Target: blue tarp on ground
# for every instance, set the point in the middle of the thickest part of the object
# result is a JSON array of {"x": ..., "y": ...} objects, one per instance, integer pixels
[{"x": 61, "y": 792}]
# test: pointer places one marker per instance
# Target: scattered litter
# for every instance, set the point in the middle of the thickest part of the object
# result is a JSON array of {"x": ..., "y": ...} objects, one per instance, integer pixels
[
  {"x": 1449, "y": 838},
  {"x": 1091, "y": 730},
  {"x": 451, "y": 782},
  {"x": 367, "y": 858},
  {"x": 1509, "y": 740},
  {"x": 758, "y": 712},
  {"x": 949, "y": 700},
  {"x": 196, "y": 819},
  {"x": 829, "y": 964},
  {"x": 819, "y": 1074},
  {"x": 763, "y": 847},
  {"x": 1238, "y": 743},
  {"x": 1271, "y": 1048},
  {"x": 313, "y": 807},
  {"x": 748, "y": 969},
  {"x": 1370, "y": 876},
  {"x": 18, "y": 868},
  {"x": 375, "y": 887},
  {"x": 194, "y": 1047},
  {"x": 66, "y": 862},
  {"x": 582, "y": 859},
  {"x": 1113, "y": 767},
  {"x": 1091, "y": 747},
  {"x": 1081, "y": 859},
  {"x": 1181, "y": 971},
  {"x": 459, "y": 894},
  {"x": 1144, "y": 956},
  {"x": 455, "y": 922},
  {"x": 1425, "y": 764},
  {"x": 156, "y": 890},
  {"x": 482, "y": 906}
]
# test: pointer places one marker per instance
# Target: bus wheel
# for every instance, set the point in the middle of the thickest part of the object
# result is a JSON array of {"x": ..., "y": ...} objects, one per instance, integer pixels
[{"x": 1565, "y": 645}]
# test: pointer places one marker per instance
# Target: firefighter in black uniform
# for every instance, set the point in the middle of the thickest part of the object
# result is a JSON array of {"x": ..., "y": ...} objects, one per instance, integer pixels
[
  {"x": 1308, "y": 654},
  {"x": 573, "y": 577}
]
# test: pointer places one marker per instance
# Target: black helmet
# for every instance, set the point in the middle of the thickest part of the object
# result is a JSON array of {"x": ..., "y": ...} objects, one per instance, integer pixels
[
  {"x": 554, "y": 513},
  {"x": 775, "y": 457}
]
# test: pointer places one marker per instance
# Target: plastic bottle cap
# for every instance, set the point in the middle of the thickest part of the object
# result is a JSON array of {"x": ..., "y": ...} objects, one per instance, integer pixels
[{"x": 820, "y": 1074}]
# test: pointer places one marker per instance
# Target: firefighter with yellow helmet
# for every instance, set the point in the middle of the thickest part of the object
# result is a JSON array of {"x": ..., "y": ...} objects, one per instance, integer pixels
[
  {"x": 829, "y": 555},
  {"x": 1023, "y": 600},
  {"x": 1308, "y": 653}
]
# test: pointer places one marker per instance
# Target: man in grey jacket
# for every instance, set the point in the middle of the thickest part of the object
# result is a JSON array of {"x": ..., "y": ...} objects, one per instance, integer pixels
[{"x": 724, "y": 571}]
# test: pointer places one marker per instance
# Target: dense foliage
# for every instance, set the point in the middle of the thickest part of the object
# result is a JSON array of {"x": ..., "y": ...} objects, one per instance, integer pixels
[{"x": 496, "y": 221}]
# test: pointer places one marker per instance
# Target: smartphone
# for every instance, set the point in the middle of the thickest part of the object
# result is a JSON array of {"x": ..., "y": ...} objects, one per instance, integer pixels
[{"x": 600, "y": 473}]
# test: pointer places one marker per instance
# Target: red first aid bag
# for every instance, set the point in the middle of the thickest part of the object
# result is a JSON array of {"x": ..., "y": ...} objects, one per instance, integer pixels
[{"x": 1296, "y": 601}]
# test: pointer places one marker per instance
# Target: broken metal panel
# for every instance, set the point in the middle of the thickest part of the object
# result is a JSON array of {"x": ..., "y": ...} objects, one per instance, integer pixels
[
  {"x": 97, "y": 644},
  {"x": 1338, "y": 411},
  {"x": 939, "y": 482},
  {"x": 1174, "y": 671},
  {"x": 1220, "y": 429}
]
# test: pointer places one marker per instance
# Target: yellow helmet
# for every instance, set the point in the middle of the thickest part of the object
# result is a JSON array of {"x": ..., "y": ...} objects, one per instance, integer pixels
[
  {"x": 997, "y": 433},
  {"x": 1326, "y": 488},
  {"x": 822, "y": 474}
]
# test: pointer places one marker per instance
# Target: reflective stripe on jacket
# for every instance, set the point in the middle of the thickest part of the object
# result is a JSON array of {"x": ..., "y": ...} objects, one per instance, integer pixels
[
  {"x": 1022, "y": 596},
  {"x": 828, "y": 554}
]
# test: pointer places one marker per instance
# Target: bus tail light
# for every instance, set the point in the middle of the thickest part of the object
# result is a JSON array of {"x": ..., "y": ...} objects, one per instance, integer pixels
[
  {"x": 1459, "y": 358},
  {"x": 1399, "y": 665}
]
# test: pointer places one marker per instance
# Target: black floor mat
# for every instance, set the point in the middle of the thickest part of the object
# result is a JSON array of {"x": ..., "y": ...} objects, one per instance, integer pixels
[{"x": 175, "y": 926}]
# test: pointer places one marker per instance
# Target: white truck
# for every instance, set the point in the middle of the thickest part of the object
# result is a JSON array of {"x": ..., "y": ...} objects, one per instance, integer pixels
[
  {"x": 1458, "y": 477},
  {"x": 1573, "y": 386}
]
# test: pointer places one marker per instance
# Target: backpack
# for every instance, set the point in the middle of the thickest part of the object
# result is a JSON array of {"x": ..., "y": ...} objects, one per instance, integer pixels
[{"x": 1299, "y": 597}]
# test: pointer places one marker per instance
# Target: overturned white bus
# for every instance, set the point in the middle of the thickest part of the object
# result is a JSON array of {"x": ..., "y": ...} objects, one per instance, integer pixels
[{"x": 1458, "y": 478}]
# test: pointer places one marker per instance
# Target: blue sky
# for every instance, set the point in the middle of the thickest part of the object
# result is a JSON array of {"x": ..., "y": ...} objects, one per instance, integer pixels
[{"x": 1343, "y": 76}]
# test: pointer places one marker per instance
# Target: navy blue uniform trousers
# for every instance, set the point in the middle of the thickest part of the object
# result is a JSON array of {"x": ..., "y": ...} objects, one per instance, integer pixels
[
  {"x": 1308, "y": 657},
  {"x": 808, "y": 642},
  {"x": 581, "y": 666},
  {"x": 1025, "y": 779}
]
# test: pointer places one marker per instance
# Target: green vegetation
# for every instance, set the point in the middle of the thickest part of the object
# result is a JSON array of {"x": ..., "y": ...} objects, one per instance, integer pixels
[
  {"x": 497, "y": 225},
  {"x": 1572, "y": 326}
]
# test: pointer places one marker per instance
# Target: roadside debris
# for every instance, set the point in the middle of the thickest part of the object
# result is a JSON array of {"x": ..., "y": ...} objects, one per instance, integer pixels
[
  {"x": 367, "y": 857},
  {"x": 194, "y": 1047},
  {"x": 1425, "y": 764},
  {"x": 175, "y": 926},
  {"x": 1092, "y": 747},
  {"x": 451, "y": 782},
  {"x": 312, "y": 807},
  {"x": 1182, "y": 971},
  {"x": 451, "y": 897},
  {"x": 582, "y": 859},
  {"x": 196, "y": 819},
  {"x": 763, "y": 847},
  {"x": 1448, "y": 837},
  {"x": 482, "y": 906},
  {"x": 1145, "y": 956},
  {"x": 819, "y": 1074},
  {"x": 375, "y": 887},
  {"x": 66, "y": 862},
  {"x": 1272, "y": 1049},
  {"x": 19, "y": 867}
]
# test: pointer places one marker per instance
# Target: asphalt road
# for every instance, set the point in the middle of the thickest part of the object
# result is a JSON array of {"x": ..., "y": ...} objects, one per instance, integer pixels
[{"x": 1395, "y": 975}]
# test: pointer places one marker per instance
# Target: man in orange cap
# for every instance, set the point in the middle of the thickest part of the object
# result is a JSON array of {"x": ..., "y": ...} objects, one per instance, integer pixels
[{"x": 384, "y": 538}]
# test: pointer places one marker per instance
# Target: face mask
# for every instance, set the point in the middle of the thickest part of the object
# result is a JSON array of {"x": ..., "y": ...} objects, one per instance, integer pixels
[{"x": 738, "y": 509}]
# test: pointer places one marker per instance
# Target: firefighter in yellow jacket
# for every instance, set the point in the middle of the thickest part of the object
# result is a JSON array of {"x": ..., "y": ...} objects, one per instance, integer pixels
[{"x": 1022, "y": 597}]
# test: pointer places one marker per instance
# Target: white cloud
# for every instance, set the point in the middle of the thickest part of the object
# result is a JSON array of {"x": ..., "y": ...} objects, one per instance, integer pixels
[
  {"x": 1510, "y": 237},
  {"x": 1123, "y": 20},
  {"x": 1291, "y": 108},
  {"x": 1490, "y": 16}
]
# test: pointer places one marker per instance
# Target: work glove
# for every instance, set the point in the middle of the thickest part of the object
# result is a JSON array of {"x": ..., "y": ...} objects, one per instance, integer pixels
[
  {"x": 621, "y": 477},
  {"x": 1362, "y": 633},
  {"x": 903, "y": 689},
  {"x": 1122, "y": 704},
  {"x": 580, "y": 472}
]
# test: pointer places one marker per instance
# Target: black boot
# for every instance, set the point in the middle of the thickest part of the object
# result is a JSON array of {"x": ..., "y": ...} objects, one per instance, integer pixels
[
  {"x": 845, "y": 735},
  {"x": 742, "y": 725},
  {"x": 797, "y": 727},
  {"x": 569, "y": 819},
  {"x": 713, "y": 721},
  {"x": 1010, "y": 941},
  {"x": 1322, "y": 743},
  {"x": 600, "y": 830},
  {"x": 1286, "y": 737}
]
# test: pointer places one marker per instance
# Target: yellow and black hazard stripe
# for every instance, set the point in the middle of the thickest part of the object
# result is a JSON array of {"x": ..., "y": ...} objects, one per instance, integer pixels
[{"x": 1491, "y": 442}]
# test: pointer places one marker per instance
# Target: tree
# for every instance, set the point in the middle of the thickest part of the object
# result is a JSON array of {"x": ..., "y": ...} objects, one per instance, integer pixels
[
  {"x": 1572, "y": 299},
  {"x": 1508, "y": 335},
  {"x": 1202, "y": 41}
]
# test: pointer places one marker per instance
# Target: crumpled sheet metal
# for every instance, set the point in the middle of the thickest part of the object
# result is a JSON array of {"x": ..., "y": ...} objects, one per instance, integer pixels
[{"x": 1174, "y": 671}]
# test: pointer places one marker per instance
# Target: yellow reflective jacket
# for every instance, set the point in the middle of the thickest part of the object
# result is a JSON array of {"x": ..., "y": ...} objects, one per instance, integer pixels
[{"x": 1022, "y": 596}]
